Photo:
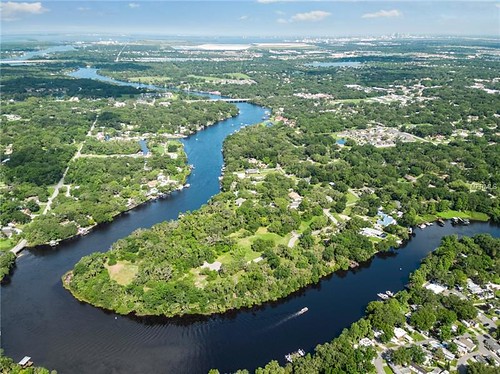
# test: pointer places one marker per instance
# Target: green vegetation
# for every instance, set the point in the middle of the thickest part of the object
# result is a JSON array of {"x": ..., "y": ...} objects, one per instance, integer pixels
[
  {"x": 476, "y": 257},
  {"x": 271, "y": 229},
  {"x": 8, "y": 366},
  {"x": 41, "y": 138}
]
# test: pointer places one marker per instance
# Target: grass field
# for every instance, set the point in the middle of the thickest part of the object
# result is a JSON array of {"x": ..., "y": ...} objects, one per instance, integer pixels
[
  {"x": 150, "y": 80},
  {"x": 476, "y": 216},
  {"x": 123, "y": 272},
  {"x": 6, "y": 244},
  {"x": 262, "y": 233}
]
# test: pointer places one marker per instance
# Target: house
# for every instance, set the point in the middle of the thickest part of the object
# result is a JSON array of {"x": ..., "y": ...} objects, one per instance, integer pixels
[
  {"x": 399, "y": 333},
  {"x": 466, "y": 344},
  {"x": 365, "y": 342},
  {"x": 447, "y": 354},
  {"x": 240, "y": 201},
  {"x": 436, "y": 288},
  {"x": 492, "y": 345},
  {"x": 473, "y": 288}
]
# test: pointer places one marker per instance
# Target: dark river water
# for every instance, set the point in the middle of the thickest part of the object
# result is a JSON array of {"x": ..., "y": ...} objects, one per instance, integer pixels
[{"x": 39, "y": 318}]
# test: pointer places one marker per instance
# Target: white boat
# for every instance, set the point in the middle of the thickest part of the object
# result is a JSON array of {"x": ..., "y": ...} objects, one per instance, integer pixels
[
  {"x": 292, "y": 356},
  {"x": 389, "y": 293},
  {"x": 187, "y": 185},
  {"x": 383, "y": 296},
  {"x": 303, "y": 310}
]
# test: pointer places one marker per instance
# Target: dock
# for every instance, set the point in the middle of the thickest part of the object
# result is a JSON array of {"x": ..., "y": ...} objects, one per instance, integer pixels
[{"x": 19, "y": 246}]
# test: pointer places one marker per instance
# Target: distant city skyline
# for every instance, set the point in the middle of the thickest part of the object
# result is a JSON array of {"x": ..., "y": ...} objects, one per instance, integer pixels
[{"x": 252, "y": 18}]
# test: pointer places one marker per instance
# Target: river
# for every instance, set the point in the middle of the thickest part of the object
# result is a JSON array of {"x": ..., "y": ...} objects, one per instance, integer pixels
[{"x": 41, "y": 319}]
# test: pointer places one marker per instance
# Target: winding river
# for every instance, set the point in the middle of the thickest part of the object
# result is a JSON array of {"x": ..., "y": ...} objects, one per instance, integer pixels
[{"x": 41, "y": 319}]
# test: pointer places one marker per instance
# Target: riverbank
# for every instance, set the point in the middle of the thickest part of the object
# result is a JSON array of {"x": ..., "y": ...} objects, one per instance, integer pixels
[{"x": 394, "y": 334}]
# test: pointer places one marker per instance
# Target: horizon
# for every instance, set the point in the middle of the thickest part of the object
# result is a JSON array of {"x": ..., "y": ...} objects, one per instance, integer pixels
[{"x": 252, "y": 19}]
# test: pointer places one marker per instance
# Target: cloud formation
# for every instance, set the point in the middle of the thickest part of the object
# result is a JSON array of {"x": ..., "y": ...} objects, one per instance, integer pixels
[
  {"x": 11, "y": 10},
  {"x": 383, "y": 14},
  {"x": 242, "y": 18},
  {"x": 313, "y": 16},
  {"x": 133, "y": 5}
]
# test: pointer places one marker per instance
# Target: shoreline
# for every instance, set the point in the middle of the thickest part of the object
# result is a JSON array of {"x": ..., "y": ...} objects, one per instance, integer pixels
[
  {"x": 66, "y": 278},
  {"x": 149, "y": 199}
]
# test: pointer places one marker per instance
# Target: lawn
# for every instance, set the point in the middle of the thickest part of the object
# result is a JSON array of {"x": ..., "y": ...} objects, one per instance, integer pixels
[
  {"x": 388, "y": 370},
  {"x": 417, "y": 336},
  {"x": 476, "y": 216},
  {"x": 150, "y": 80},
  {"x": 123, "y": 272},
  {"x": 351, "y": 198},
  {"x": 262, "y": 233},
  {"x": 6, "y": 244}
]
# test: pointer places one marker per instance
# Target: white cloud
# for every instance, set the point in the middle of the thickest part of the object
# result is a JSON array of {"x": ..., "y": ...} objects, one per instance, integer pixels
[
  {"x": 383, "y": 14},
  {"x": 313, "y": 16},
  {"x": 133, "y": 5},
  {"x": 242, "y": 18},
  {"x": 11, "y": 11},
  {"x": 281, "y": 20}
]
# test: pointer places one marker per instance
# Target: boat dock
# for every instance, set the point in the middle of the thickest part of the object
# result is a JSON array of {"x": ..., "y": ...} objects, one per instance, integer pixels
[{"x": 19, "y": 246}]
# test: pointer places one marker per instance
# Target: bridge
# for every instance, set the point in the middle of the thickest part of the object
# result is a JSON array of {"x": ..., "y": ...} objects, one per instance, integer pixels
[{"x": 225, "y": 100}]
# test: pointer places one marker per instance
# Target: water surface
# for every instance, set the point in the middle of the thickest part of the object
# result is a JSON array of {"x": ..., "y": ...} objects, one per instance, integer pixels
[{"x": 41, "y": 319}]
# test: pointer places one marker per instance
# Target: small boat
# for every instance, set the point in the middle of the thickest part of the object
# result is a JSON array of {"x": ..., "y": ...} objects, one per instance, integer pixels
[
  {"x": 292, "y": 356},
  {"x": 464, "y": 221},
  {"x": 383, "y": 296},
  {"x": 454, "y": 220},
  {"x": 389, "y": 293},
  {"x": 440, "y": 222},
  {"x": 187, "y": 185},
  {"x": 422, "y": 226},
  {"x": 53, "y": 243},
  {"x": 303, "y": 310},
  {"x": 429, "y": 223}
]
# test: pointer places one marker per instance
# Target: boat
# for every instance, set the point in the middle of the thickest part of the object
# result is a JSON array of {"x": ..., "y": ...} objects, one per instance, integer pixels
[
  {"x": 383, "y": 296},
  {"x": 292, "y": 356},
  {"x": 187, "y": 185},
  {"x": 422, "y": 226},
  {"x": 454, "y": 220},
  {"x": 389, "y": 293},
  {"x": 464, "y": 221},
  {"x": 53, "y": 243},
  {"x": 303, "y": 310},
  {"x": 440, "y": 222}
]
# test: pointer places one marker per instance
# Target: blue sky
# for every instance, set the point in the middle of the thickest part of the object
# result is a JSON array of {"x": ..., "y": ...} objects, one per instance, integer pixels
[{"x": 252, "y": 18}]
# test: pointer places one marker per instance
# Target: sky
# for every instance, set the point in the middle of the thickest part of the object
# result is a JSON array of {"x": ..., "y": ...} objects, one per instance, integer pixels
[{"x": 252, "y": 17}]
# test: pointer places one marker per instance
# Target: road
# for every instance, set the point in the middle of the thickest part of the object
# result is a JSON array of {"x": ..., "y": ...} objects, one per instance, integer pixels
[{"x": 61, "y": 181}]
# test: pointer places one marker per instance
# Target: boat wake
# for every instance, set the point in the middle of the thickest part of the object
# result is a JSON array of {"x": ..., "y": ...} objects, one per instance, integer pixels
[{"x": 287, "y": 318}]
